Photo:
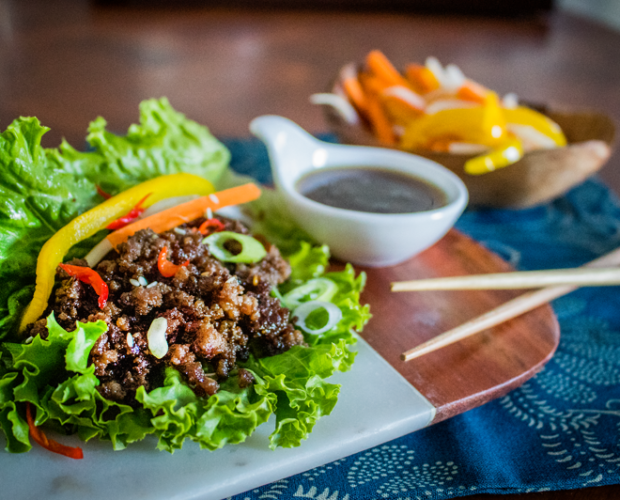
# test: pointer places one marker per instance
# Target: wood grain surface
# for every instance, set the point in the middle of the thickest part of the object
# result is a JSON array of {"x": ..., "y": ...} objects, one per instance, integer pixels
[
  {"x": 471, "y": 372},
  {"x": 69, "y": 61}
]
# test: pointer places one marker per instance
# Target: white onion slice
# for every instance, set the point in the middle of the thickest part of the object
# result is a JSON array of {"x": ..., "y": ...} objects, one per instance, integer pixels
[
  {"x": 99, "y": 251},
  {"x": 340, "y": 104},
  {"x": 334, "y": 315},
  {"x": 455, "y": 78},
  {"x": 156, "y": 337},
  {"x": 466, "y": 148},
  {"x": 441, "y": 104},
  {"x": 406, "y": 95},
  {"x": 235, "y": 212},
  {"x": 530, "y": 137},
  {"x": 510, "y": 101},
  {"x": 166, "y": 204},
  {"x": 436, "y": 68}
]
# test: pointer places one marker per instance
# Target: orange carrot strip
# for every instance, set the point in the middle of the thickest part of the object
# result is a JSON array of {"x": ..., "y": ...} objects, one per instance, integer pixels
[
  {"x": 373, "y": 84},
  {"x": 421, "y": 78},
  {"x": 472, "y": 91},
  {"x": 175, "y": 216},
  {"x": 379, "y": 122},
  {"x": 376, "y": 114},
  {"x": 355, "y": 93},
  {"x": 380, "y": 66}
]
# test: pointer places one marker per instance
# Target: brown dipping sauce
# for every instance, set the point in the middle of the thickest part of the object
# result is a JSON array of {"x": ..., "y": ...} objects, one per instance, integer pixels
[{"x": 371, "y": 189}]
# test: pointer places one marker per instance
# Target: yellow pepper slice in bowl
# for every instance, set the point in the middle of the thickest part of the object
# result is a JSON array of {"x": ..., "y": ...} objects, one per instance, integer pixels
[
  {"x": 485, "y": 125},
  {"x": 510, "y": 152}
]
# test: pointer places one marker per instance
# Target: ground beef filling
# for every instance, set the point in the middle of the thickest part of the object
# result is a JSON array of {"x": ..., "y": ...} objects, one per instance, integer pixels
[{"x": 216, "y": 313}]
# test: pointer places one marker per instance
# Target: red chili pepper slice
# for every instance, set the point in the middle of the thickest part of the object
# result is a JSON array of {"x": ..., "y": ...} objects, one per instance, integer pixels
[
  {"x": 166, "y": 268},
  {"x": 39, "y": 437},
  {"x": 214, "y": 224},
  {"x": 90, "y": 277},
  {"x": 103, "y": 193},
  {"x": 131, "y": 216}
]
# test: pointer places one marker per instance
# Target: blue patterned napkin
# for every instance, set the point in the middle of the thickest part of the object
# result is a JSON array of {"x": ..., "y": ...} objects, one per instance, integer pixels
[{"x": 560, "y": 430}]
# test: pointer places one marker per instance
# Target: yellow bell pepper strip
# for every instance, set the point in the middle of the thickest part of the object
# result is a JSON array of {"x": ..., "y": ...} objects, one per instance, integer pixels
[
  {"x": 545, "y": 125},
  {"x": 510, "y": 152},
  {"x": 421, "y": 78},
  {"x": 87, "y": 224},
  {"x": 484, "y": 125}
]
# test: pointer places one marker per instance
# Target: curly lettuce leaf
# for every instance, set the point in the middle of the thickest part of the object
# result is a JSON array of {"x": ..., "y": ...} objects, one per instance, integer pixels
[
  {"x": 42, "y": 190},
  {"x": 165, "y": 142},
  {"x": 228, "y": 417},
  {"x": 37, "y": 198},
  {"x": 34, "y": 370},
  {"x": 297, "y": 377},
  {"x": 53, "y": 374}
]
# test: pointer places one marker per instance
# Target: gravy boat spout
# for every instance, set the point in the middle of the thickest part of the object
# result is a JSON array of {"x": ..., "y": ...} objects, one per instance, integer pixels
[
  {"x": 293, "y": 152},
  {"x": 361, "y": 237}
]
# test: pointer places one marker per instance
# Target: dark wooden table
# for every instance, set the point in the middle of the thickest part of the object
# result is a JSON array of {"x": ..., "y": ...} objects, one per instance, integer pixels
[{"x": 68, "y": 61}]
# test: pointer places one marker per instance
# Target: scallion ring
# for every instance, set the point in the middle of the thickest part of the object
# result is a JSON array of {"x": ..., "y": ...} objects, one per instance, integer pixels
[
  {"x": 303, "y": 312},
  {"x": 252, "y": 250},
  {"x": 315, "y": 289}
]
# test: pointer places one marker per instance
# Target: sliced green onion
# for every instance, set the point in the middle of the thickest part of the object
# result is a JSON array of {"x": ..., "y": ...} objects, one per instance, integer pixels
[
  {"x": 334, "y": 315},
  {"x": 314, "y": 289},
  {"x": 156, "y": 337},
  {"x": 252, "y": 250}
]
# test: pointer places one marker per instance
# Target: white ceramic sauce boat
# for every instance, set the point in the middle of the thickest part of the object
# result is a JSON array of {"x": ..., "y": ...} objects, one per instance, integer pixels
[{"x": 363, "y": 238}]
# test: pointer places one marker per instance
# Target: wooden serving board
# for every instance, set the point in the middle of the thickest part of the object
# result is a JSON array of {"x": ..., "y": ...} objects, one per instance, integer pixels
[{"x": 471, "y": 372}]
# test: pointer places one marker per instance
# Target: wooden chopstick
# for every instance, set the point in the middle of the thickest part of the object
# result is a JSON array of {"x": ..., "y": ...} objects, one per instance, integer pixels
[
  {"x": 607, "y": 276},
  {"x": 506, "y": 311}
]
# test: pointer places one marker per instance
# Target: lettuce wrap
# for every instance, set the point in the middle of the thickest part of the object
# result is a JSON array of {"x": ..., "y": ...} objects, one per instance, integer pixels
[{"x": 41, "y": 190}]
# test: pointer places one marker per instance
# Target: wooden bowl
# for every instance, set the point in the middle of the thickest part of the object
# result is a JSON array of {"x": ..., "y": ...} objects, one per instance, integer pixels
[{"x": 538, "y": 177}]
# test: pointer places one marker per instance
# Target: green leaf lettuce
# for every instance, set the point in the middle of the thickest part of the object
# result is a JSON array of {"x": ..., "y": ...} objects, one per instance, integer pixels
[{"x": 41, "y": 190}]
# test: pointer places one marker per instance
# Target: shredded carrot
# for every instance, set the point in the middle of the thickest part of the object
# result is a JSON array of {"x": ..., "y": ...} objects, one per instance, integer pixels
[
  {"x": 472, "y": 91},
  {"x": 175, "y": 216},
  {"x": 421, "y": 78},
  {"x": 373, "y": 84},
  {"x": 375, "y": 113},
  {"x": 40, "y": 438},
  {"x": 383, "y": 69},
  {"x": 379, "y": 122},
  {"x": 355, "y": 93}
]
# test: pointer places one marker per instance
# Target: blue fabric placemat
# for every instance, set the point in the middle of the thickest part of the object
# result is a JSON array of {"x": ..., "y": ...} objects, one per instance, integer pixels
[{"x": 560, "y": 430}]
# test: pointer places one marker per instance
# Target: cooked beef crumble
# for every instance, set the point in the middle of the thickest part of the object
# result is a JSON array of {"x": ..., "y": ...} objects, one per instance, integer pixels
[{"x": 216, "y": 312}]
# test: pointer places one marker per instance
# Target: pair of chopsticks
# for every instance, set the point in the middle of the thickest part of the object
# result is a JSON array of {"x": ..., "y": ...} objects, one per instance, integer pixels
[{"x": 555, "y": 282}]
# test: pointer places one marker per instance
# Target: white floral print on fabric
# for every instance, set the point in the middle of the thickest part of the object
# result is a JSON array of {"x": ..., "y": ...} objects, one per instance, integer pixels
[{"x": 565, "y": 402}]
